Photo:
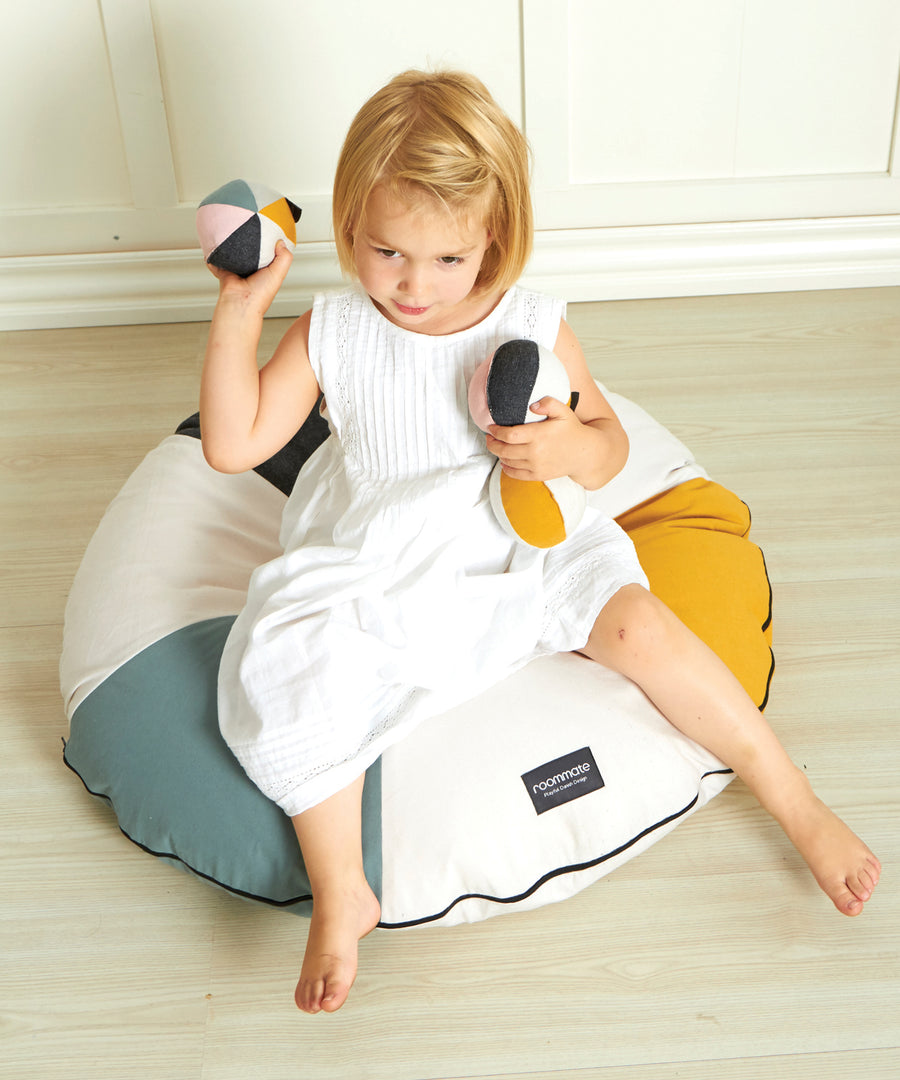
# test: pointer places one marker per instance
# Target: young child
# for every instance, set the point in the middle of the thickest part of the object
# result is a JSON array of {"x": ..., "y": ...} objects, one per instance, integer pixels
[{"x": 398, "y": 596}]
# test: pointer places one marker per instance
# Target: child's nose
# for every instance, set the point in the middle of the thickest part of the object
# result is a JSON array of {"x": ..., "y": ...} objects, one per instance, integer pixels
[{"x": 415, "y": 279}]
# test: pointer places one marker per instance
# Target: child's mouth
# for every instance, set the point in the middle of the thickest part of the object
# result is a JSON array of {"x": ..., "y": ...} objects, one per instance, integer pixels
[{"x": 409, "y": 310}]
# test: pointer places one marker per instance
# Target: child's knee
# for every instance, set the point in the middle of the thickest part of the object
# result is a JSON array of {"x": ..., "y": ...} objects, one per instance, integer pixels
[{"x": 632, "y": 627}]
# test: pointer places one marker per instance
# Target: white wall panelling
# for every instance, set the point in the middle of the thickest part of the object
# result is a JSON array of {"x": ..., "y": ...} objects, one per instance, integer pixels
[
  {"x": 711, "y": 110},
  {"x": 61, "y": 142},
  {"x": 269, "y": 89},
  {"x": 703, "y": 146},
  {"x": 211, "y": 90},
  {"x": 142, "y": 110}
]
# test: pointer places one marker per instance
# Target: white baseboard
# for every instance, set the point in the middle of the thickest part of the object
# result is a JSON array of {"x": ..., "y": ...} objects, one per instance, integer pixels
[
  {"x": 137, "y": 287},
  {"x": 586, "y": 264}
]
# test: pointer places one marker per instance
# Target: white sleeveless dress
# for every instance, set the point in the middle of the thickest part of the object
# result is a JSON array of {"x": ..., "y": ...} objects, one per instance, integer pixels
[{"x": 398, "y": 596}]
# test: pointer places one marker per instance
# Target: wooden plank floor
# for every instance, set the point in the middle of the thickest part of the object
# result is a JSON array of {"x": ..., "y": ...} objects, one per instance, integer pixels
[{"x": 713, "y": 955}]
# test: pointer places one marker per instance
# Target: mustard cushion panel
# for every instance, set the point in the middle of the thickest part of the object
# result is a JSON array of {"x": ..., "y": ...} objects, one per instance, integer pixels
[{"x": 693, "y": 543}]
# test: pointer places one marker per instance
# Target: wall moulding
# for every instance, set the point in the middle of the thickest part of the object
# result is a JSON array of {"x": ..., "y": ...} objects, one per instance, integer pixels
[{"x": 122, "y": 288}]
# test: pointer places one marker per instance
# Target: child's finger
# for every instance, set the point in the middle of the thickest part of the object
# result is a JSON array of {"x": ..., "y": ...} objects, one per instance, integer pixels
[
  {"x": 550, "y": 407},
  {"x": 502, "y": 448},
  {"x": 509, "y": 435},
  {"x": 283, "y": 252},
  {"x": 282, "y": 261},
  {"x": 515, "y": 473},
  {"x": 284, "y": 257},
  {"x": 547, "y": 407}
]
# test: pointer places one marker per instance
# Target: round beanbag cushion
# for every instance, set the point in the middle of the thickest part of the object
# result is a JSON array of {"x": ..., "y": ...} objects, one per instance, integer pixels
[{"x": 518, "y": 798}]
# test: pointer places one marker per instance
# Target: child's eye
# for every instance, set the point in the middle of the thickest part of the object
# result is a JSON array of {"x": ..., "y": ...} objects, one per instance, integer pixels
[
  {"x": 387, "y": 253},
  {"x": 451, "y": 260}
]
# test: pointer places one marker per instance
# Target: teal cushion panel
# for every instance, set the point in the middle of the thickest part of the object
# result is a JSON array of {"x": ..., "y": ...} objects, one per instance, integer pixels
[{"x": 147, "y": 741}]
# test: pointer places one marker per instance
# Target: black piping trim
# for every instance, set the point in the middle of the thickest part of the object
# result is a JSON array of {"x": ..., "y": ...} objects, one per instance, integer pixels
[
  {"x": 559, "y": 871},
  {"x": 427, "y": 918},
  {"x": 177, "y": 858},
  {"x": 765, "y": 627},
  {"x": 768, "y": 621}
]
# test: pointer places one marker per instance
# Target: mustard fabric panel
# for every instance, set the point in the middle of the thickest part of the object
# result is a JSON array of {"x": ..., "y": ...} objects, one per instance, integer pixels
[{"x": 693, "y": 543}]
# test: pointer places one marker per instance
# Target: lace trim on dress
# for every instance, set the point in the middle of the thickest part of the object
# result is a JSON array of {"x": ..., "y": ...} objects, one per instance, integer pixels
[
  {"x": 277, "y": 790},
  {"x": 349, "y": 438},
  {"x": 530, "y": 315},
  {"x": 596, "y": 567}
]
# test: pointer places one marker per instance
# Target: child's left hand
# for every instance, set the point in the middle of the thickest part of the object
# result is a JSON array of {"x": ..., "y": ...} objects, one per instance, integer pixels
[{"x": 554, "y": 447}]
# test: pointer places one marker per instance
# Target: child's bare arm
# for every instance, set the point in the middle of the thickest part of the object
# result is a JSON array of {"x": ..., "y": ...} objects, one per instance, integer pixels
[
  {"x": 588, "y": 444},
  {"x": 246, "y": 414}
]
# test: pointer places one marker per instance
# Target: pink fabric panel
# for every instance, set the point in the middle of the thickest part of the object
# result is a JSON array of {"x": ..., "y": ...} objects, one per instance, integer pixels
[{"x": 216, "y": 222}]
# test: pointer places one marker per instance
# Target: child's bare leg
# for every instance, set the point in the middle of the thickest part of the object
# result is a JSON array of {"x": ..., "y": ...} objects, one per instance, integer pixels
[
  {"x": 639, "y": 636},
  {"x": 344, "y": 907}
]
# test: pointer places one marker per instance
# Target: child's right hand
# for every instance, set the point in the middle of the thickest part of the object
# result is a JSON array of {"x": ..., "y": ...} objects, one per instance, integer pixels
[{"x": 255, "y": 293}]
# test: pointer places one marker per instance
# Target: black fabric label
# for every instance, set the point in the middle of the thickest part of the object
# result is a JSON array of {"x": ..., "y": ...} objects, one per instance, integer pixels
[{"x": 560, "y": 781}]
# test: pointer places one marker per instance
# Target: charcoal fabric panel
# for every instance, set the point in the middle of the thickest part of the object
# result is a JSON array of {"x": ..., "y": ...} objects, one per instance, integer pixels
[
  {"x": 239, "y": 252},
  {"x": 510, "y": 385},
  {"x": 282, "y": 468}
]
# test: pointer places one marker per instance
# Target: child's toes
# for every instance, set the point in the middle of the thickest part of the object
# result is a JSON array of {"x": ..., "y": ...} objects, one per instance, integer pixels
[
  {"x": 847, "y": 901},
  {"x": 850, "y": 895},
  {"x": 869, "y": 878},
  {"x": 308, "y": 995},
  {"x": 335, "y": 994}
]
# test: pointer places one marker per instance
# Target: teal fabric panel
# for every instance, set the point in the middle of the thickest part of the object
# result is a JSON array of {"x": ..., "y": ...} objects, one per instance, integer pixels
[
  {"x": 234, "y": 193},
  {"x": 147, "y": 741}
]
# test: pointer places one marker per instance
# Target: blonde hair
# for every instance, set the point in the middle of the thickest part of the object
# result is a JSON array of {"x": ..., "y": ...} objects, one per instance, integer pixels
[{"x": 441, "y": 136}]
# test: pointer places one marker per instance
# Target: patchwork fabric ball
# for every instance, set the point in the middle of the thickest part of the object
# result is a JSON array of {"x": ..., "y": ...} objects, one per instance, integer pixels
[
  {"x": 240, "y": 223},
  {"x": 521, "y": 372}
]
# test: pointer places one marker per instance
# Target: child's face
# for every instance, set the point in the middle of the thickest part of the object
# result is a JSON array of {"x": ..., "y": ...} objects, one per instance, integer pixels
[{"x": 419, "y": 263}]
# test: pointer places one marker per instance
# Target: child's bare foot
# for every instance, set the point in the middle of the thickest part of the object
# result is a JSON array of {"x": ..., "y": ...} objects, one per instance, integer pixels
[
  {"x": 339, "y": 921},
  {"x": 845, "y": 869}
]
